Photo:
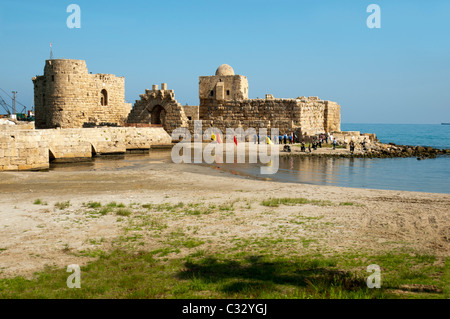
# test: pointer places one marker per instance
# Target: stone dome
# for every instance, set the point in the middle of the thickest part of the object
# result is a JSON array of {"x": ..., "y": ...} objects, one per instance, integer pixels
[{"x": 224, "y": 69}]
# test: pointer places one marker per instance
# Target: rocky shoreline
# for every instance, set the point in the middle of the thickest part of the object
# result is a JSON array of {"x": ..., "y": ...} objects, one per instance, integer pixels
[{"x": 371, "y": 150}]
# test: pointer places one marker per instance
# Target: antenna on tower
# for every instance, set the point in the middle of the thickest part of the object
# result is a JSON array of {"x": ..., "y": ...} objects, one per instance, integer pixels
[{"x": 51, "y": 52}]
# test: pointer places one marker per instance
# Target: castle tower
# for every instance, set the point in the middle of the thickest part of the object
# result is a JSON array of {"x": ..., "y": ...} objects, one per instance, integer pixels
[
  {"x": 68, "y": 96},
  {"x": 224, "y": 86}
]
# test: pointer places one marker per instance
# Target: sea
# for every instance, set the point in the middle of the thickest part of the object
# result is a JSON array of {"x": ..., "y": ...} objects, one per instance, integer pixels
[
  {"x": 404, "y": 174},
  {"x": 434, "y": 135}
]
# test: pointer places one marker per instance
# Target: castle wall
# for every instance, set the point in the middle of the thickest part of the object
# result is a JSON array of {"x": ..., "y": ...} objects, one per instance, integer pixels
[
  {"x": 332, "y": 117},
  {"x": 224, "y": 103},
  {"x": 32, "y": 149},
  {"x": 288, "y": 115},
  {"x": 67, "y": 96},
  {"x": 192, "y": 112}
]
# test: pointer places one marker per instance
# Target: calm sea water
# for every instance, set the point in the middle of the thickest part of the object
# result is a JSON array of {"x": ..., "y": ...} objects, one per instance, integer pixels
[
  {"x": 409, "y": 174},
  {"x": 434, "y": 135}
]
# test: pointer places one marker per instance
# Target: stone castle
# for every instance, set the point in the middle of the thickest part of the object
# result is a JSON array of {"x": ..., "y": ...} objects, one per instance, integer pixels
[
  {"x": 67, "y": 96},
  {"x": 70, "y": 98}
]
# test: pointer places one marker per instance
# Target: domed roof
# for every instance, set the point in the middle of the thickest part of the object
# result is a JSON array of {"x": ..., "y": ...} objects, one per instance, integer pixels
[{"x": 224, "y": 69}]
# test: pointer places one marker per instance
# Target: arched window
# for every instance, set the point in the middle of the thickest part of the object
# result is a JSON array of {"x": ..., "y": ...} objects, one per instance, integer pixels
[{"x": 104, "y": 98}]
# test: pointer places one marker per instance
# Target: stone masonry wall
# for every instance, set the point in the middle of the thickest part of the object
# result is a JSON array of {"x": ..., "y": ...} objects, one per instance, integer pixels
[
  {"x": 32, "y": 149},
  {"x": 332, "y": 117},
  {"x": 288, "y": 115}
]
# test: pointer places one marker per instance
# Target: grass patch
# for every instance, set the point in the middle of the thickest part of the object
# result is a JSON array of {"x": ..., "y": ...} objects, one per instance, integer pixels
[
  {"x": 123, "y": 212},
  {"x": 350, "y": 204},
  {"x": 94, "y": 205},
  {"x": 160, "y": 273},
  {"x": 62, "y": 205},
  {"x": 276, "y": 202},
  {"x": 114, "y": 205},
  {"x": 105, "y": 210},
  {"x": 39, "y": 201}
]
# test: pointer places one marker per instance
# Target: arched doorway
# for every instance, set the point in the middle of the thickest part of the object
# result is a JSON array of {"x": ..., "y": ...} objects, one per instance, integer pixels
[{"x": 158, "y": 115}]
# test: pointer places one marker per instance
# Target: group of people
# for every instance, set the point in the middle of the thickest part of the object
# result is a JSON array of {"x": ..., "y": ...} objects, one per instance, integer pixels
[
  {"x": 290, "y": 138},
  {"x": 293, "y": 138},
  {"x": 314, "y": 145},
  {"x": 287, "y": 139}
]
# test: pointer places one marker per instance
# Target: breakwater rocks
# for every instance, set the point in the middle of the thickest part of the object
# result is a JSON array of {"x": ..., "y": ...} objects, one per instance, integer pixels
[{"x": 372, "y": 150}]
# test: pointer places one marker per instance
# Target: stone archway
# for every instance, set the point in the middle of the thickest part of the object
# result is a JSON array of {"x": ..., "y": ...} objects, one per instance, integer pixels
[{"x": 159, "y": 107}]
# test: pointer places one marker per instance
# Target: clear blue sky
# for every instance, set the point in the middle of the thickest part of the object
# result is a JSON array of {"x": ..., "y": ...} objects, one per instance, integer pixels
[{"x": 397, "y": 74}]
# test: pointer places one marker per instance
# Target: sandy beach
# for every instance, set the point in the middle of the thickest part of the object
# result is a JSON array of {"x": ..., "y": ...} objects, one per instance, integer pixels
[{"x": 338, "y": 220}]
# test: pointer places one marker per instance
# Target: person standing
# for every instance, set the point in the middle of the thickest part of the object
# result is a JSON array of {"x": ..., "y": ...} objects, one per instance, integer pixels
[{"x": 334, "y": 144}]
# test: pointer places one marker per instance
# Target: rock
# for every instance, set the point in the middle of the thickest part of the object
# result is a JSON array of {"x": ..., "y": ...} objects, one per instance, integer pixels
[
  {"x": 420, "y": 148},
  {"x": 6, "y": 122}
]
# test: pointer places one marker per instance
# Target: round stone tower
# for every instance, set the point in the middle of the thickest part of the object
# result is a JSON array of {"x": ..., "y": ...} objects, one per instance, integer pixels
[
  {"x": 55, "y": 92},
  {"x": 68, "y": 96}
]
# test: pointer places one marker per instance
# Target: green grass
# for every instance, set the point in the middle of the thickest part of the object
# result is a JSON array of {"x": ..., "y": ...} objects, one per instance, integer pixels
[
  {"x": 276, "y": 202},
  {"x": 151, "y": 274},
  {"x": 123, "y": 212},
  {"x": 114, "y": 205},
  {"x": 39, "y": 201},
  {"x": 62, "y": 205},
  {"x": 105, "y": 210},
  {"x": 160, "y": 273},
  {"x": 94, "y": 205},
  {"x": 350, "y": 204},
  {"x": 145, "y": 275}
]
